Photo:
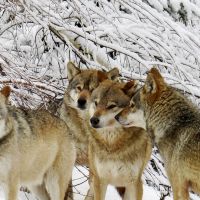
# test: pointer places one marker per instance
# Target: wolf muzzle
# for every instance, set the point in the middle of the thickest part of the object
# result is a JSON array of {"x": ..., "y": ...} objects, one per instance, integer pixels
[
  {"x": 95, "y": 122},
  {"x": 82, "y": 103}
]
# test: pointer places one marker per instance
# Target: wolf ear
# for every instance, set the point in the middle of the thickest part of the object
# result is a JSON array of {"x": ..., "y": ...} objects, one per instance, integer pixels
[
  {"x": 72, "y": 70},
  {"x": 130, "y": 88},
  {"x": 5, "y": 91},
  {"x": 101, "y": 76},
  {"x": 113, "y": 74},
  {"x": 154, "y": 81}
]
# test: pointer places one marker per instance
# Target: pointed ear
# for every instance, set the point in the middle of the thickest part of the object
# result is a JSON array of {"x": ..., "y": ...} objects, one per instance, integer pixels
[
  {"x": 130, "y": 88},
  {"x": 5, "y": 91},
  {"x": 156, "y": 74},
  {"x": 72, "y": 70},
  {"x": 154, "y": 81},
  {"x": 150, "y": 84},
  {"x": 113, "y": 74},
  {"x": 101, "y": 76}
]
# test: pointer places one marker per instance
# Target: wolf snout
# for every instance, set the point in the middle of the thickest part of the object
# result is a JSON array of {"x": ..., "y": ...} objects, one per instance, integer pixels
[
  {"x": 94, "y": 122},
  {"x": 82, "y": 103}
]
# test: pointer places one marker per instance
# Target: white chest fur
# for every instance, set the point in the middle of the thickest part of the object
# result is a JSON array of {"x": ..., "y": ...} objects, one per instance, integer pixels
[{"x": 118, "y": 173}]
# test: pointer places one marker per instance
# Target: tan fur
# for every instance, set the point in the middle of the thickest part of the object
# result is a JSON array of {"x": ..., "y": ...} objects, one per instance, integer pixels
[
  {"x": 78, "y": 127},
  {"x": 36, "y": 151},
  {"x": 81, "y": 85},
  {"x": 174, "y": 122},
  {"x": 117, "y": 155},
  {"x": 83, "y": 82},
  {"x": 133, "y": 114}
]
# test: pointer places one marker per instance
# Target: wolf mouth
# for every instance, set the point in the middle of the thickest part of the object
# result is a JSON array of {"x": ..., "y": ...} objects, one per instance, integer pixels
[
  {"x": 96, "y": 126},
  {"x": 81, "y": 107},
  {"x": 126, "y": 124}
]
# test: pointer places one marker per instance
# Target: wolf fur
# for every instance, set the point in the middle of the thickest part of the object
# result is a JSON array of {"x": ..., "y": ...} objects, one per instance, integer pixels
[
  {"x": 36, "y": 151},
  {"x": 75, "y": 104},
  {"x": 117, "y": 155},
  {"x": 133, "y": 114},
  {"x": 174, "y": 123}
]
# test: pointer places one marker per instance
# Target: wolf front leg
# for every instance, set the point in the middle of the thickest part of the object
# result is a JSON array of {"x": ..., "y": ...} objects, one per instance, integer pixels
[
  {"x": 99, "y": 188},
  {"x": 179, "y": 184},
  {"x": 59, "y": 175},
  {"x": 134, "y": 190},
  {"x": 180, "y": 190},
  {"x": 12, "y": 186},
  {"x": 11, "y": 193}
]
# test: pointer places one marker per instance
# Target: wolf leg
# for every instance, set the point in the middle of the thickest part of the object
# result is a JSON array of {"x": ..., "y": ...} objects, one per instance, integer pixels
[
  {"x": 180, "y": 191},
  {"x": 58, "y": 177},
  {"x": 40, "y": 192},
  {"x": 11, "y": 189},
  {"x": 134, "y": 191},
  {"x": 99, "y": 189},
  {"x": 179, "y": 185}
]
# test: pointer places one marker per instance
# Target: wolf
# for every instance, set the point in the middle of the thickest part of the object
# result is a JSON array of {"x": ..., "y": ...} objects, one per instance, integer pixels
[
  {"x": 174, "y": 123},
  {"x": 37, "y": 151},
  {"x": 117, "y": 154},
  {"x": 74, "y": 107},
  {"x": 75, "y": 104},
  {"x": 132, "y": 115}
]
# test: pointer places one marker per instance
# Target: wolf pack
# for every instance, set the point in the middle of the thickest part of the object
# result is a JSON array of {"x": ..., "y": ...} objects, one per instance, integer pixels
[{"x": 106, "y": 125}]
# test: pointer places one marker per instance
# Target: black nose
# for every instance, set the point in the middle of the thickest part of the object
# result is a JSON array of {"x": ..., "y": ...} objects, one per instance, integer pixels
[
  {"x": 94, "y": 121},
  {"x": 117, "y": 117},
  {"x": 81, "y": 103}
]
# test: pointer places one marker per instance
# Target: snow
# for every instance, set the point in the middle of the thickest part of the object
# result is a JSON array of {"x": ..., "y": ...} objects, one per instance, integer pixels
[{"x": 38, "y": 38}]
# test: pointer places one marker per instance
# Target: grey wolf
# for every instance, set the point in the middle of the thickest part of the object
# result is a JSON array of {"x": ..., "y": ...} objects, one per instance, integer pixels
[
  {"x": 174, "y": 123},
  {"x": 37, "y": 151},
  {"x": 117, "y": 154},
  {"x": 75, "y": 104}
]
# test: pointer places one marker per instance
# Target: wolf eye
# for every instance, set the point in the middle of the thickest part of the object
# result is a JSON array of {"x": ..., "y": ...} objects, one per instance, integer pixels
[
  {"x": 95, "y": 103},
  {"x": 111, "y": 106},
  {"x": 78, "y": 87}
]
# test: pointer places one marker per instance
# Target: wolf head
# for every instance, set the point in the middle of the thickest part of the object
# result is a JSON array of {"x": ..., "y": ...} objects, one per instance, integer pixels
[
  {"x": 4, "y": 94},
  {"x": 132, "y": 115},
  {"x": 154, "y": 86},
  {"x": 107, "y": 100},
  {"x": 83, "y": 82}
]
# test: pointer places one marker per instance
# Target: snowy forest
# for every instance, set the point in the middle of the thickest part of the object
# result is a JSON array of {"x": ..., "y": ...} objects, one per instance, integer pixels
[{"x": 38, "y": 38}]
